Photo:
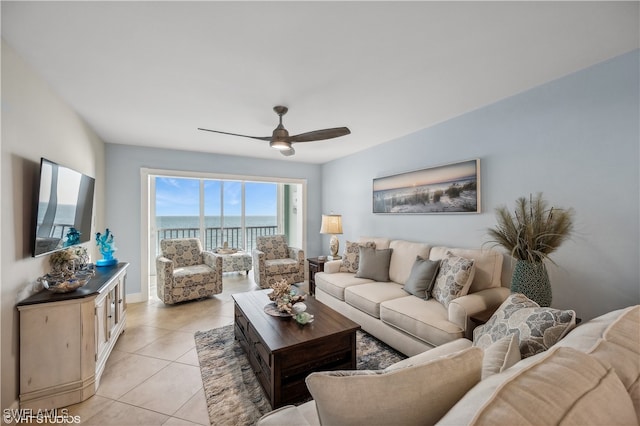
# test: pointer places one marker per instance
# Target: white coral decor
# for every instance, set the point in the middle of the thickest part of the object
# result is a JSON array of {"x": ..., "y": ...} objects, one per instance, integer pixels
[{"x": 284, "y": 297}]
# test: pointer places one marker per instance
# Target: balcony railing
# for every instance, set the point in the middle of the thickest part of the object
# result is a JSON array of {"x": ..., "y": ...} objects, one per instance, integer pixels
[{"x": 215, "y": 237}]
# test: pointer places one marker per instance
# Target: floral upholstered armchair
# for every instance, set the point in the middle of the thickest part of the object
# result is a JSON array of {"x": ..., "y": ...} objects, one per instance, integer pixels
[
  {"x": 274, "y": 260},
  {"x": 186, "y": 272}
]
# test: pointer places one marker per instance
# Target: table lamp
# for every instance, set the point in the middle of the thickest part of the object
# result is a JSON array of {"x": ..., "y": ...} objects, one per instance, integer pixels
[{"x": 332, "y": 224}]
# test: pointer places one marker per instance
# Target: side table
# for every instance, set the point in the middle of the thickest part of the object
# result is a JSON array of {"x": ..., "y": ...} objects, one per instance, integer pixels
[
  {"x": 478, "y": 319},
  {"x": 315, "y": 265}
]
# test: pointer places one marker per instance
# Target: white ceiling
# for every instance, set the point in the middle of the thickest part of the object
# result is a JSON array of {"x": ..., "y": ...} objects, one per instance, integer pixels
[{"x": 150, "y": 73}]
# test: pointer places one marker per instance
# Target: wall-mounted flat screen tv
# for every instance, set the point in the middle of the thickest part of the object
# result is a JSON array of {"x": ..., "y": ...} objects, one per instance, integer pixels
[{"x": 64, "y": 208}]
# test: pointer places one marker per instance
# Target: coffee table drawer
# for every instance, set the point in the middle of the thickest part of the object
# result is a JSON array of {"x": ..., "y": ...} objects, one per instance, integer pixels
[
  {"x": 319, "y": 353},
  {"x": 259, "y": 347}
]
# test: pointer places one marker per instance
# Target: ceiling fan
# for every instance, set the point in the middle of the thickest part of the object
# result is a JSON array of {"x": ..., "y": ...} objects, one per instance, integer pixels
[{"x": 281, "y": 140}]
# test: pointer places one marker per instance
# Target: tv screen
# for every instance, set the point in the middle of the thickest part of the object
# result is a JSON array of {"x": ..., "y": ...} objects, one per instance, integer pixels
[{"x": 64, "y": 208}]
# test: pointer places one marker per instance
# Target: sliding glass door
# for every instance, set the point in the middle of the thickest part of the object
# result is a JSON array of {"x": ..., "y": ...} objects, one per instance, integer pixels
[{"x": 216, "y": 211}]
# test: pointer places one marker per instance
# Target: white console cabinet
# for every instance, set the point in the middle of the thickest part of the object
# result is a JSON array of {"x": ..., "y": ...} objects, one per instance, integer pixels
[{"x": 66, "y": 339}]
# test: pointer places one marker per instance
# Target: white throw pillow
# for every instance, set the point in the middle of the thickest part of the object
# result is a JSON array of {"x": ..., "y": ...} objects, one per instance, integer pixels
[{"x": 500, "y": 355}]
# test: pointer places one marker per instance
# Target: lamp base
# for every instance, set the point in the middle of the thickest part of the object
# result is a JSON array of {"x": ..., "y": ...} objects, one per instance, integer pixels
[{"x": 334, "y": 245}]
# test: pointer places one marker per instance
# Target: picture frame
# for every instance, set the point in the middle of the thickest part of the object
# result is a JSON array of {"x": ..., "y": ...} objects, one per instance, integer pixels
[{"x": 443, "y": 189}]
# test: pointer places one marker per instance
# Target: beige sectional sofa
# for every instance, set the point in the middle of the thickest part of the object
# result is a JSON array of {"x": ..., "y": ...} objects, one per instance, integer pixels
[
  {"x": 408, "y": 323},
  {"x": 590, "y": 377}
]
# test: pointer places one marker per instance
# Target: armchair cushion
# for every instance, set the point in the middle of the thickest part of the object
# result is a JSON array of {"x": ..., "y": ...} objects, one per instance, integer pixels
[
  {"x": 273, "y": 246},
  {"x": 193, "y": 275},
  {"x": 182, "y": 251},
  {"x": 281, "y": 266}
]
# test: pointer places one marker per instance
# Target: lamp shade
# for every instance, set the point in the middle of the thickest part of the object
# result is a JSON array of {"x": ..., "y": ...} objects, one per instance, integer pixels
[{"x": 331, "y": 224}]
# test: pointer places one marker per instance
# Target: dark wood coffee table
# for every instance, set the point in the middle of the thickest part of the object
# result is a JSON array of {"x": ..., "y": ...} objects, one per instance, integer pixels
[{"x": 283, "y": 353}]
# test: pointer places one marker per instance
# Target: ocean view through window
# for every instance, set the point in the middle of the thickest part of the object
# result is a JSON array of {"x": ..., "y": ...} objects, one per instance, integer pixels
[{"x": 216, "y": 211}]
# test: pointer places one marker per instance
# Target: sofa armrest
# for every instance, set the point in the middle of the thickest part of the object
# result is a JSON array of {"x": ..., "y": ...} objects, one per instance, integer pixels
[
  {"x": 332, "y": 266},
  {"x": 290, "y": 415},
  {"x": 462, "y": 308},
  {"x": 431, "y": 354}
]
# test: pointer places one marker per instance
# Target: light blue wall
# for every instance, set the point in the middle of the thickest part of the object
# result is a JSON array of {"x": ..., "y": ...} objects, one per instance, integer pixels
[
  {"x": 123, "y": 165},
  {"x": 575, "y": 139}
]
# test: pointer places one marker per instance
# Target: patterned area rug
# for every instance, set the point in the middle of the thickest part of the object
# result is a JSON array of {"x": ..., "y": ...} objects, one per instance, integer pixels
[{"x": 234, "y": 396}]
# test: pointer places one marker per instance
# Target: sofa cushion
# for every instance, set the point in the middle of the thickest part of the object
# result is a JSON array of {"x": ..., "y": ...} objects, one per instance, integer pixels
[
  {"x": 374, "y": 264},
  {"x": 403, "y": 257},
  {"x": 561, "y": 386},
  {"x": 415, "y": 395},
  {"x": 334, "y": 284},
  {"x": 351, "y": 255},
  {"x": 367, "y": 297},
  {"x": 380, "y": 242},
  {"x": 426, "y": 320},
  {"x": 487, "y": 264},
  {"x": 454, "y": 278},
  {"x": 500, "y": 355},
  {"x": 422, "y": 277},
  {"x": 613, "y": 338},
  {"x": 537, "y": 328}
]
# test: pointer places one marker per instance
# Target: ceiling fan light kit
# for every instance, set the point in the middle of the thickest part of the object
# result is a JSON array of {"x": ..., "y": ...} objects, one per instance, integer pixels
[{"x": 281, "y": 140}]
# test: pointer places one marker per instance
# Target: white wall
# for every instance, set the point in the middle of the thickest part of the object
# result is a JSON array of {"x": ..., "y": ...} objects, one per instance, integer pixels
[
  {"x": 574, "y": 139},
  {"x": 123, "y": 192},
  {"x": 35, "y": 123}
]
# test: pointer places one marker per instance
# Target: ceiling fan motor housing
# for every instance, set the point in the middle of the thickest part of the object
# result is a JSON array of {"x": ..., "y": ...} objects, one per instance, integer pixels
[{"x": 280, "y": 138}]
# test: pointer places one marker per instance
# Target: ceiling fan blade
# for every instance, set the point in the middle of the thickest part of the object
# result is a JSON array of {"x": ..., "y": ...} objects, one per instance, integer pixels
[
  {"x": 288, "y": 152},
  {"x": 262, "y": 138},
  {"x": 318, "y": 135}
]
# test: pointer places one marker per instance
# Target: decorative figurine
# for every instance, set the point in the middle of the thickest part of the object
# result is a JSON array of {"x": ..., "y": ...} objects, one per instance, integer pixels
[
  {"x": 301, "y": 316},
  {"x": 73, "y": 237},
  {"x": 107, "y": 248}
]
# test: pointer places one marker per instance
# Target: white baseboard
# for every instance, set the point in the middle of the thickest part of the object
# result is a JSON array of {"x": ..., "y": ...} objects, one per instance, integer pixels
[{"x": 136, "y": 298}]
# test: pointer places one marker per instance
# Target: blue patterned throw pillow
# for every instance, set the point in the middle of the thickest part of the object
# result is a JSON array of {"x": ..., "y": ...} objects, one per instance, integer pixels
[
  {"x": 454, "y": 278},
  {"x": 537, "y": 328}
]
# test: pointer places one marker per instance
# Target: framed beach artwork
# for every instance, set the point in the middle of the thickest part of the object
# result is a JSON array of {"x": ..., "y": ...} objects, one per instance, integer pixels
[{"x": 449, "y": 188}]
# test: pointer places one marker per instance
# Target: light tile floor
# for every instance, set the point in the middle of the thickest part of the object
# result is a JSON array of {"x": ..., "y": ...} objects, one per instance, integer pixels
[{"x": 152, "y": 376}]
